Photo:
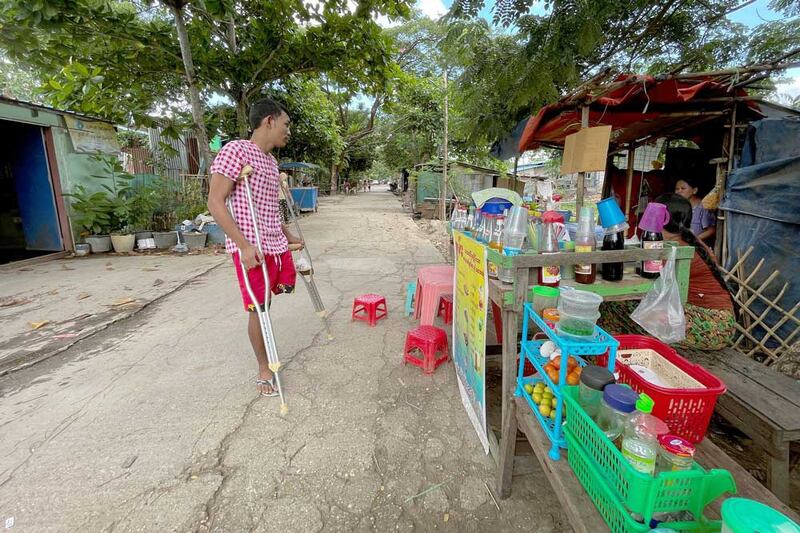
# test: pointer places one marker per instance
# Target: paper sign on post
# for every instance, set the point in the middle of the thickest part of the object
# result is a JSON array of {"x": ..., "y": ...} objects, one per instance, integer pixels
[{"x": 586, "y": 150}]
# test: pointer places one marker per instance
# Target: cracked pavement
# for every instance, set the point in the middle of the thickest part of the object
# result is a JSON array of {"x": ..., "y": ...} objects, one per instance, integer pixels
[{"x": 154, "y": 423}]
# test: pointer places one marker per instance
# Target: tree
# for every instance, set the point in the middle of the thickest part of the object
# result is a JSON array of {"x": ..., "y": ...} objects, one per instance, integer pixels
[
  {"x": 315, "y": 133},
  {"x": 551, "y": 46},
  {"x": 17, "y": 81},
  {"x": 238, "y": 49},
  {"x": 126, "y": 56},
  {"x": 252, "y": 46},
  {"x": 415, "y": 54},
  {"x": 177, "y": 9}
]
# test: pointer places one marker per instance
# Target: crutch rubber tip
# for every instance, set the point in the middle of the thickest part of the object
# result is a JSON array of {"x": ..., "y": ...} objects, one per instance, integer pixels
[{"x": 284, "y": 409}]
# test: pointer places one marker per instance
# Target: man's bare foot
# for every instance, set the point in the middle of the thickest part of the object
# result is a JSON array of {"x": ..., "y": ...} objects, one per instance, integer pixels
[{"x": 265, "y": 383}]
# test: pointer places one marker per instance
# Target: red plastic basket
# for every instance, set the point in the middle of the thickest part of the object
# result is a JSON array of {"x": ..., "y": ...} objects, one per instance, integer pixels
[{"x": 687, "y": 411}]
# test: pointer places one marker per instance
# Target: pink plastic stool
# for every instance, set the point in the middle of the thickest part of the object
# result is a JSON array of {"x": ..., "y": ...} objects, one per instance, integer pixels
[
  {"x": 446, "y": 308},
  {"x": 370, "y": 308},
  {"x": 432, "y": 342}
]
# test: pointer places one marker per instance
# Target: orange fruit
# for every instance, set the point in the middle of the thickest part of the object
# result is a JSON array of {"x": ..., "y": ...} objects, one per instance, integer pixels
[{"x": 573, "y": 379}]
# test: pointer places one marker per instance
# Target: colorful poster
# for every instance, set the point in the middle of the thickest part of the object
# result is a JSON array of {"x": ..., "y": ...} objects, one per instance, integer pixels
[{"x": 471, "y": 298}]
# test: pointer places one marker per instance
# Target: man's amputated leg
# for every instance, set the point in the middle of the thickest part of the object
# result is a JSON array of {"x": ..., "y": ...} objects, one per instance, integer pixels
[{"x": 257, "y": 342}]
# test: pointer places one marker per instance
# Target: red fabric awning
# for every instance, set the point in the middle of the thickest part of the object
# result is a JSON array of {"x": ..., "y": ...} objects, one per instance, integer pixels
[{"x": 635, "y": 106}]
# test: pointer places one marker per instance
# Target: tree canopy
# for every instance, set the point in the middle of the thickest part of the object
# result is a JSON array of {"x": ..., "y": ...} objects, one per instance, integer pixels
[{"x": 360, "y": 95}]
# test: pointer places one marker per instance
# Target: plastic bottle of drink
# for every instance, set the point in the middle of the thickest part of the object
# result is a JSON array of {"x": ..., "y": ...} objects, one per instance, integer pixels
[
  {"x": 496, "y": 243},
  {"x": 640, "y": 440},
  {"x": 549, "y": 275},
  {"x": 454, "y": 219},
  {"x": 469, "y": 225},
  {"x": 585, "y": 242},
  {"x": 613, "y": 241}
]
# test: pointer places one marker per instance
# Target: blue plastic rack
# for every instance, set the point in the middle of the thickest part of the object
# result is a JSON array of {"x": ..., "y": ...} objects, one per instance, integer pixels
[{"x": 600, "y": 343}]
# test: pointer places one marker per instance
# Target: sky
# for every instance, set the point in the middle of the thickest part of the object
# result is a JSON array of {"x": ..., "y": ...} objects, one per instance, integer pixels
[{"x": 751, "y": 15}]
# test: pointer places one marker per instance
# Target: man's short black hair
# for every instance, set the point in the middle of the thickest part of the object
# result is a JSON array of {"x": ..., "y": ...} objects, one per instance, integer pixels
[{"x": 262, "y": 109}]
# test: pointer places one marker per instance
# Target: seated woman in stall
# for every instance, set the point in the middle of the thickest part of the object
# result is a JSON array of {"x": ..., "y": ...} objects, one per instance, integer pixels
[
  {"x": 709, "y": 307},
  {"x": 704, "y": 223}
]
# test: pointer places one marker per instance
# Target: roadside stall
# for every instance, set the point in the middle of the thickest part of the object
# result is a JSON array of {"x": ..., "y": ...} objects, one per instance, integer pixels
[
  {"x": 301, "y": 187},
  {"x": 558, "y": 365}
]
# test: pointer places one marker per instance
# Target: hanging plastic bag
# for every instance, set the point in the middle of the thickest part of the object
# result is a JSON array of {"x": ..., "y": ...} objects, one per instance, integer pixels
[
  {"x": 303, "y": 263},
  {"x": 660, "y": 313}
]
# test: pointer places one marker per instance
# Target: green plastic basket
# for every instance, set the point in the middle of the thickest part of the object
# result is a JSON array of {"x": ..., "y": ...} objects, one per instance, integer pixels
[
  {"x": 608, "y": 504},
  {"x": 643, "y": 494}
]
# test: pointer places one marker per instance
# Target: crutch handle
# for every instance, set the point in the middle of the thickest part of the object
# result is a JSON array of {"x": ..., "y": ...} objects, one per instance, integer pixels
[{"x": 247, "y": 170}]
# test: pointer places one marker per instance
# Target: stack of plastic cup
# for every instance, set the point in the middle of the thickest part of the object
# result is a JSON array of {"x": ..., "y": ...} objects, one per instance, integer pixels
[
  {"x": 611, "y": 217},
  {"x": 515, "y": 230},
  {"x": 579, "y": 312}
]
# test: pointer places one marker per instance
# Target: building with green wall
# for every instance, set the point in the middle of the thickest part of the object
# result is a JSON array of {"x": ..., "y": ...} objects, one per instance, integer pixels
[{"x": 45, "y": 153}]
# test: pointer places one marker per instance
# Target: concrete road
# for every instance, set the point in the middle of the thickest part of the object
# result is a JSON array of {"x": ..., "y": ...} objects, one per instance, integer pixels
[
  {"x": 47, "y": 307},
  {"x": 154, "y": 423}
]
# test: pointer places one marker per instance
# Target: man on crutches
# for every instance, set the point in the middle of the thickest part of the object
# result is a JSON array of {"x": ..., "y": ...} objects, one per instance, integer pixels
[{"x": 234, "y": 186}]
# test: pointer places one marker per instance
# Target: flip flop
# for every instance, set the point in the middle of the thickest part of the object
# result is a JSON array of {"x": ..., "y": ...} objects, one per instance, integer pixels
[{"x": 271, "y": 384}]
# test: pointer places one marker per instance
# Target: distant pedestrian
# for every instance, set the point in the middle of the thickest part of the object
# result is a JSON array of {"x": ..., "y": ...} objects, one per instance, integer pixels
[{"x": 270, "y": 125}]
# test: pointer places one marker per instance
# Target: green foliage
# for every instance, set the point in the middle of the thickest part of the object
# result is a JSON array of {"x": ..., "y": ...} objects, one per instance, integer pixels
[
  {"x": 105, "y": 58},
  {"x": 165, "y": 196},
  {"x": 316, "y": 137},
  {"x": 174, "y": 202},
  {"x": 17, "y": 81},
  {"x": 121, "y": 60},
  {"x": 116, "y": 207},
  {"x": 91, "y": 211},
  {"x": 557, "y": 44},
  {"x": 142, "y": 207},
  {"x": 132, "y": 139},
  {"x": 191, "y": 200}
]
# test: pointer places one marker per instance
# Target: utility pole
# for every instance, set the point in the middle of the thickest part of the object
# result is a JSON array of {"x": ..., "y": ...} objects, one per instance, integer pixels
[{"x": 446, "y": 160}]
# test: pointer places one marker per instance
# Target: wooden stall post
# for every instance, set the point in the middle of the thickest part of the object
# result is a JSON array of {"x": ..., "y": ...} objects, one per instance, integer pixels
[
  {"x": 720, "y": 249},
  {"x": 629, "y": 186},
  {"x": 446, "y": 157},
  {"x": 581, "y": 175},
  {"x": 508, "y": 440}
]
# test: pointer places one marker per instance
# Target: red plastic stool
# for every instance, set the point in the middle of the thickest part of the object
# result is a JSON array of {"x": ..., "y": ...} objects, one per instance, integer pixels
[
  {"x": 432, "y": 342},
  {"x": 370, "y": 308},
  {"x": 446, "y": 308}
]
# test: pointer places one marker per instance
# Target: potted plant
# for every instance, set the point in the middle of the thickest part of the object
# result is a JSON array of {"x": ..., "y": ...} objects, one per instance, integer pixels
[
  {"x": 122, "y": 197},
  {"x": 165, "y": 199},
  {"x": 192, "y": 202},
  {"x": 93, "y": 214},
  {"x": 143, "y": 204}
]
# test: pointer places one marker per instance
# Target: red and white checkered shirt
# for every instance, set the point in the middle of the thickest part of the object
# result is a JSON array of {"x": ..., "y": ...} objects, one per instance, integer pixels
[{"x": 264, "y": 186}]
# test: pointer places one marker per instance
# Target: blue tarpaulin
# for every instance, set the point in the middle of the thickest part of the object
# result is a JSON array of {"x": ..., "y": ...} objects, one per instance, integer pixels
[{"x": 762, "y": 209}]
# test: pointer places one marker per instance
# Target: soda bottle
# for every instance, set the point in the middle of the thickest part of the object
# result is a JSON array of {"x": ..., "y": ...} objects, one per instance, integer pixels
[{"x": 614, "y": 240}]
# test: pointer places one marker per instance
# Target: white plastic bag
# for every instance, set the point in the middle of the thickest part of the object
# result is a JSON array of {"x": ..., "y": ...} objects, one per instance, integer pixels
[
  {"x": 302, "y": 263},
  {"x": 660, "y": 313}
]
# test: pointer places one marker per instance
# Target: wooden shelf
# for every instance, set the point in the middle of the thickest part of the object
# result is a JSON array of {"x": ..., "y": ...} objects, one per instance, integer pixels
[
  {"x": 579, "y": 508},
  {"x": 631, "y": 287}
]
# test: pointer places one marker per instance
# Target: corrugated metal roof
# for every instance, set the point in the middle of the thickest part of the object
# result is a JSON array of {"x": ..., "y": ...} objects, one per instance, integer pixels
[{"x": 31, "y": 105}]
